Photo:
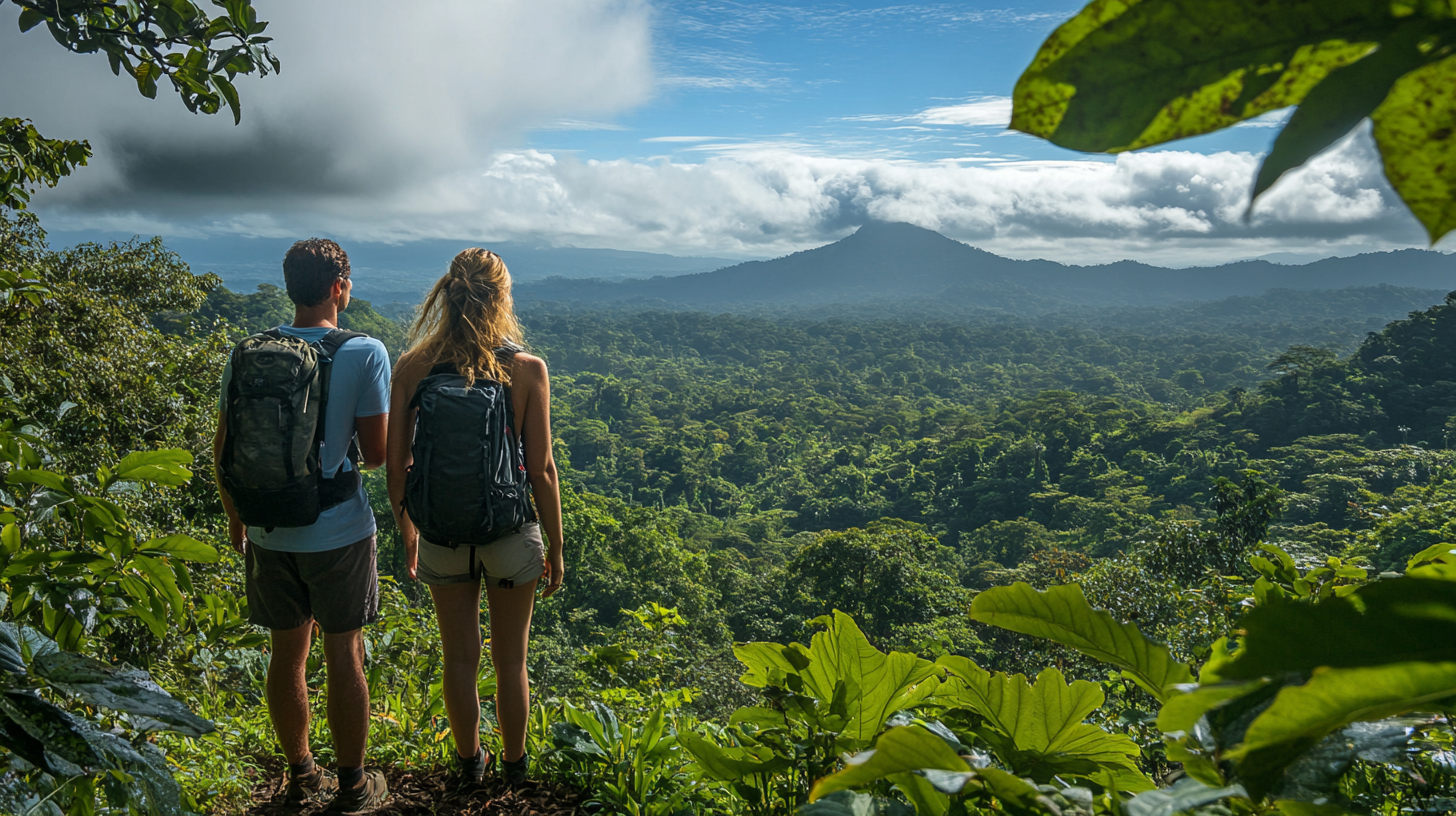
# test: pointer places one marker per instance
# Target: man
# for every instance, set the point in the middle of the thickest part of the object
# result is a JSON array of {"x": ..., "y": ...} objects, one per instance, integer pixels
[{"x": 323, "y": 573}]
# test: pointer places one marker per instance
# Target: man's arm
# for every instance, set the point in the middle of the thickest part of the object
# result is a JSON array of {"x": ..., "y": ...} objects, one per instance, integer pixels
[
  {"x": 237, "y": 532},
  {"x": 371, "y": 412},
  {"x": 373, "y": 439}
]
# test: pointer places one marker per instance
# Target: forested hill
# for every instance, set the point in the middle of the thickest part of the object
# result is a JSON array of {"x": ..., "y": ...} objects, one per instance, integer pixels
[{"x": 885, "y": 263}]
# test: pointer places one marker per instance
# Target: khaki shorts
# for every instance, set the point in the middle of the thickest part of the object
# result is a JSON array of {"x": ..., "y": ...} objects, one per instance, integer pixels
[{"x": 515, "y": 559}]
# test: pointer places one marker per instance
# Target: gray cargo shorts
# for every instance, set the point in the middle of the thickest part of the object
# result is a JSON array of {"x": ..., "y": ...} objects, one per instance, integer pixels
[{"x": 514, "y": 559}]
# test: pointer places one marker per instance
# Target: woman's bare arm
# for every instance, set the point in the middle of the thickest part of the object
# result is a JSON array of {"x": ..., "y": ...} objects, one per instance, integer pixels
[
  {"x": 408, "y": 372},
  {"x": 529, "y": 381}
]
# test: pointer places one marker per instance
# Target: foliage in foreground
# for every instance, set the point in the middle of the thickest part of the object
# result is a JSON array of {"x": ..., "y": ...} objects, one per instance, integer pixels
[{"x": 1120, "y": 76}]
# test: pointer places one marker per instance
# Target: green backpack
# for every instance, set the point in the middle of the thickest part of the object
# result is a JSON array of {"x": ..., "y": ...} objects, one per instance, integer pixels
[{"x": 275, "y": 407}]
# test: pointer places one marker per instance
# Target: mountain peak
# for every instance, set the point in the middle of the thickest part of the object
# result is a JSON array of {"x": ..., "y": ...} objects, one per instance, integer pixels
[{"x": 894, "y": 230}]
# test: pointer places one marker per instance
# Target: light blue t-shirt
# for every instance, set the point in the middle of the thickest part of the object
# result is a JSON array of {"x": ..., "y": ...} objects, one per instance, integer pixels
[{"x": 358, "y": 387}]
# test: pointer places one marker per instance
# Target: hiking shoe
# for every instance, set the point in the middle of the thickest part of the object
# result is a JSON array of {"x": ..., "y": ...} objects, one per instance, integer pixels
[
  {"x": 514, "y": 773},
  {"x": 466, "y": 773},
  {"x": 311, "y": 787},
  {"x": 367, "y": 796}
]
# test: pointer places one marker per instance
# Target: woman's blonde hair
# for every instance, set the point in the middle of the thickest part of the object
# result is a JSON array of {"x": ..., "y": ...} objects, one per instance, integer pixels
[{"x": 467, "y": 316}]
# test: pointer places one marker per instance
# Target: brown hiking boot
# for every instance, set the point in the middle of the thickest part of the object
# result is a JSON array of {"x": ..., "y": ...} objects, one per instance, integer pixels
[
  {"x": 367, "y": 796},
  {"x": 312, "y": 787}
]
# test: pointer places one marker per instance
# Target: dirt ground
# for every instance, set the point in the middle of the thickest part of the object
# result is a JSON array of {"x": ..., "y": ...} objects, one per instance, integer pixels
[{"x": 413, "y": 793}]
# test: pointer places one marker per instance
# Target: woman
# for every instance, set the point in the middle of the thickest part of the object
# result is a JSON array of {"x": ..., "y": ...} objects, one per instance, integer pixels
[{"x": 468, "y": 327}]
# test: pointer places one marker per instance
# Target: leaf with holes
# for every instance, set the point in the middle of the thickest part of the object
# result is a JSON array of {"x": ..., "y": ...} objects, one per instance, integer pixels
[
  {"x": 1415, "y": 128},
  {"x": 121, "y": 689},
  {"x": 1121, "y": 75}
]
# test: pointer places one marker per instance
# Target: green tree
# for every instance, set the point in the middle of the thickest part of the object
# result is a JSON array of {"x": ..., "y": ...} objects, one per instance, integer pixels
[
  {"x": 150, "y": 40},
  {"x": 888, "y": 575}
]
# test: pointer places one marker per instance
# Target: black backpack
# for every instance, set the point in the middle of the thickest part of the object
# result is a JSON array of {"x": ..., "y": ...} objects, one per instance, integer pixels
[
  {"x": 275, "y": 407},
  {"x": 467, "y": 486}
]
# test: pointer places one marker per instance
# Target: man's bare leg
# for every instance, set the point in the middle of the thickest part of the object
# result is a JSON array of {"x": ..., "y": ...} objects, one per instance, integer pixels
[
  {"x": 288, "y": 691},
  {"x": 348, "y": 696}
]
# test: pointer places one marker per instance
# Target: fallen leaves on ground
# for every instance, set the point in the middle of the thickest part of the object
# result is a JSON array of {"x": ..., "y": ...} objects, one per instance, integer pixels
[{"x": 423, "y": 793}]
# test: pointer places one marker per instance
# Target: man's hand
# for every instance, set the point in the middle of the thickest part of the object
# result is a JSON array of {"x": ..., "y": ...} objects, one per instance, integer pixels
[
  {"x": 238, "y": 535},
  {"x": 555, "y": 573}
]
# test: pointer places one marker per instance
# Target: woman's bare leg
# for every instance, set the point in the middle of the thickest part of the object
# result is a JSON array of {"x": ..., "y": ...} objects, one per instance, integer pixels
[
  {"x": 510, "y": 627},
  {"x": 457, "y": 608}
]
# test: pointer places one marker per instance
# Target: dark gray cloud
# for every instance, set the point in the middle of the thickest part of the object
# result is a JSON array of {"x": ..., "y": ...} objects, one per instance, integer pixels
[{"x": 377, "y": 102}]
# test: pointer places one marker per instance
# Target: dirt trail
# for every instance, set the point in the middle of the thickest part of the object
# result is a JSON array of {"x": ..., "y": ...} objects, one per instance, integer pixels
[{"x": 422, "y": 793}]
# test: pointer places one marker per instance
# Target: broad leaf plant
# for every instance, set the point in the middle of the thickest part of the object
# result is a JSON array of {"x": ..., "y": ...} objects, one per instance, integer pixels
[{"x": 1126, "y": 74}]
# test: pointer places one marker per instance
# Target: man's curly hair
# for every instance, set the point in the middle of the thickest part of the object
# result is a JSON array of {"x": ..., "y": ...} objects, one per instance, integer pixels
[{"x": 310, "y": 269}]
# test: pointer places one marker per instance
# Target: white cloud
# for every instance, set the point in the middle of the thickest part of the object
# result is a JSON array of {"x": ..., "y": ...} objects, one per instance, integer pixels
[
  {"x": 683, "y": 139},
  {"x": 981, "y": 111},
  {"x": 988, "y": 110},
  {"x": 1169, "y": 207}
]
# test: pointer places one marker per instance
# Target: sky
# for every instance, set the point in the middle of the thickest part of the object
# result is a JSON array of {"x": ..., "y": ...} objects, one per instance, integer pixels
[{"x": 730, "y": 129}]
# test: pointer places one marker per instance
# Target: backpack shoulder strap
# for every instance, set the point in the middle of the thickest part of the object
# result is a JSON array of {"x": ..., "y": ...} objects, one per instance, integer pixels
[
  {"x": 337, "y": 338},
  {"x": 438, "y": 369},
  {"x": 330, "y": 346}
]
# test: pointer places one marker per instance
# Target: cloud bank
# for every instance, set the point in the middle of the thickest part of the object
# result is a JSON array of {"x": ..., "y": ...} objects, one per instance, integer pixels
[{"x": 1169, "y": 207}]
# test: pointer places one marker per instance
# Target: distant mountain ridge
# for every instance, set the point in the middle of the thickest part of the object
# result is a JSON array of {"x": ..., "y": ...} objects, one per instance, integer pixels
[
  {"x": 896, "y": 262},
  {"x": 404, "y": 272}
]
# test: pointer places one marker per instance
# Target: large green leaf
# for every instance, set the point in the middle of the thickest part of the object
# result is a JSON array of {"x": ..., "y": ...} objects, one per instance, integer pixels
[
  {"x": 1342, "y": 100},
  {"x": 153, "y": 788},
  {"x": 1015, "y": 794},
  {"x": 181, "y": 546},
  {"x": 1333, "y": 698},
  {"x": 1314, "y": 773},
  {"x": 17, "y": 642},
  {"x": 849, "y": 803},
  {"x": 730, "y": 763},
  {"x": 122, "y": 689},
  {"x": 770, "y": 664},
  {"x": 1062, "y": 614},
  {"x": 44, "y": 478},
  {"x": 899, "y": 750},
  {"x": 1400, "y": 620},
  {"x": 1041, "y": 727},
  {"x": 1185, "y": 795},
  {"x": 1124, "y": 74},
  {"x": 163, "y": 467},
  {"x": 1435, "y": 561},
  {"x": 926, "y": 769},
  {"x": 1414, "y": 129},
  {"x": 841, "y": 663},
  {"x": 572, "y": 738},
  {"x": 66, "y": 739},
  {"x": 1182, "y": 711}
]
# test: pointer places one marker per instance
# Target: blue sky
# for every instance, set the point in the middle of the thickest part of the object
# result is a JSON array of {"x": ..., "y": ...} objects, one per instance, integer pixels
[
  {"x": 924, "y": 82},
  {"x": 730, "y": 129}
]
